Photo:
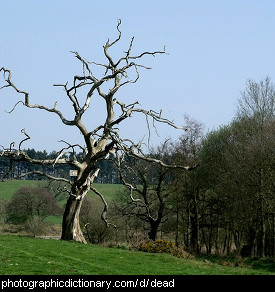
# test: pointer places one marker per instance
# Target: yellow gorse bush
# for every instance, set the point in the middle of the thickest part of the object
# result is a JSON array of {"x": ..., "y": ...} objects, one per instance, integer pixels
[{"x": 164, "y": 246}]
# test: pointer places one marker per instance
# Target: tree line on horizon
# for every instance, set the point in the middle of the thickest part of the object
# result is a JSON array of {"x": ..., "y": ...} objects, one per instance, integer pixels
[{"x": 15, "y": 170}]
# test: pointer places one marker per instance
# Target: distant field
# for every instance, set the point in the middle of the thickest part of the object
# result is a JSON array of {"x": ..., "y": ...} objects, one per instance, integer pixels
[
  {"x": 33, "y": 256},
  {"x": 8, "y": 188},
  {"x": 109, "y": 190}
]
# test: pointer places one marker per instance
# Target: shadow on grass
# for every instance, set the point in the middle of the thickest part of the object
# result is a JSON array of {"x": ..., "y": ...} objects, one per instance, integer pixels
[{"x": 267, "y": 264}]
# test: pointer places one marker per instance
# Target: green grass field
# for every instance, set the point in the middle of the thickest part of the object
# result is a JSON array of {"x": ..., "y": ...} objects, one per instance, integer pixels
[
  {"x": 8, "y": 188},
  {"x": 33, "y": 256}
]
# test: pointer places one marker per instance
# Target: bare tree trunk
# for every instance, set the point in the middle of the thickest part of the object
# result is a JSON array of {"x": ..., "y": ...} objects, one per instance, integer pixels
[
  {"x": 70, "y": 226},
  {"x": 71, "y": 229}
]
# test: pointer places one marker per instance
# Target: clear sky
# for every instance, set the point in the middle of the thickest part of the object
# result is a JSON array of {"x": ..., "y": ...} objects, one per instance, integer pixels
[{"x": 214, "y": 46}]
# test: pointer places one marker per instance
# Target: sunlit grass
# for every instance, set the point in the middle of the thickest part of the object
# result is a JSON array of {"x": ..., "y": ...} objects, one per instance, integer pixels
[
  {"x": 8, "y": 188},
  {"x": 32, "y": 256}
]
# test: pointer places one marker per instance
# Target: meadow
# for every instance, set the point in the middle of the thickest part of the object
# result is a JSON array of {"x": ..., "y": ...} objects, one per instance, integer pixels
[
  {"x": 8, "y": 188},
  {"x": 21, "y": 255}
]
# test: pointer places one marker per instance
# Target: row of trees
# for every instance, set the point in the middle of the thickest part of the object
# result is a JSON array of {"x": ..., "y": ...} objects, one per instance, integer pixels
[
  {"x": 239, "y": 174},
  {"x": 26, "y": 170},
  {"x": 227, "y": 204}
]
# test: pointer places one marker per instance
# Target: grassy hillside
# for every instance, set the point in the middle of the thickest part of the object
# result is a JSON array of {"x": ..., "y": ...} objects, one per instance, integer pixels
[
  {"x": 8, "y": 188},
  {"x": 33, "y": 256}
]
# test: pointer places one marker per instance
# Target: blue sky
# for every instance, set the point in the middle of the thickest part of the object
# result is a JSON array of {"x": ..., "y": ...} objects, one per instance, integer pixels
[{"x": 213, "y": 46}]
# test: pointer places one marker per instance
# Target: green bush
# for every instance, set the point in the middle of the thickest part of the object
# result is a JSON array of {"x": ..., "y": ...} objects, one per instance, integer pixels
[{"x": 29, "y": 203}]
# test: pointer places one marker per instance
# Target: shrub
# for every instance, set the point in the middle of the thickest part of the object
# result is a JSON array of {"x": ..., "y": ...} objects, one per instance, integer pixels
[
  {"x": 157, "y": 246},
  {"x": 163, "y": 246},
  {"x": 35, "y": 227},
  {"x": 29, "y": 203}
]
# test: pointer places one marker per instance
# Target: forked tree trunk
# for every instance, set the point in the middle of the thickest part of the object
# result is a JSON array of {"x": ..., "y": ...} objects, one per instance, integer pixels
[
  {"x": 154, "y": 225},
  {"x": 71, "y": 226}
]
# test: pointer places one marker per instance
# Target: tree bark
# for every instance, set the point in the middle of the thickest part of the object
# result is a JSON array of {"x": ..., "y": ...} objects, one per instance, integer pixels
[
  {"x": 70, "y": 226},
  {"x": 154, "y": 225}
]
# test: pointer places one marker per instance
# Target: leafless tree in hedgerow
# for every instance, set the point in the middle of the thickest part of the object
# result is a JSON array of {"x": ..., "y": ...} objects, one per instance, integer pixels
[{"x": 100, "y": 141}]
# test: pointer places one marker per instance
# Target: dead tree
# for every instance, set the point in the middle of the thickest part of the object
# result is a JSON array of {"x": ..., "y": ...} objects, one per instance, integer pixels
[
  {"x": 148, "y": 184},
  {"x": 100, "y": 141}
]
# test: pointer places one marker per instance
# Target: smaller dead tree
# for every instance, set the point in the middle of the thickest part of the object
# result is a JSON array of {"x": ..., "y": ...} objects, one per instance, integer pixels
[{"x": 148, "y": 181}]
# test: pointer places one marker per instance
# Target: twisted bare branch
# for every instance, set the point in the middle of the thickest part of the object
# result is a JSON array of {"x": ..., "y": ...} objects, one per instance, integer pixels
[
  {"x": 105, "y": 209},
  {"x": 28, "y": 137}
]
